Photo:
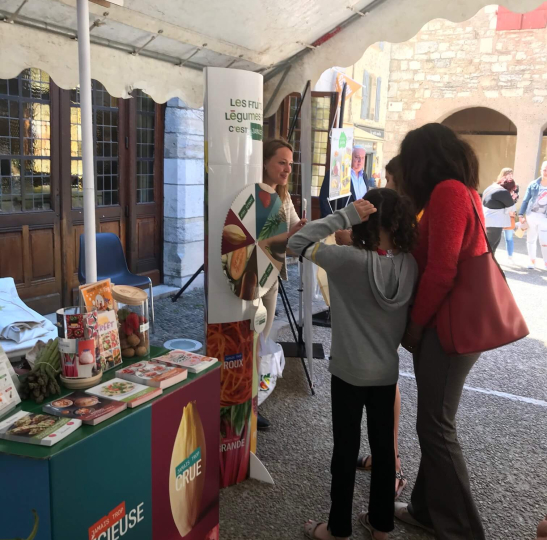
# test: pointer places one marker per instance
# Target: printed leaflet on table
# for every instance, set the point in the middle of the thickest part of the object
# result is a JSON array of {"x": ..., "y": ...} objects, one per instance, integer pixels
[
  {"x": 194, "y": 363},
  {"x": 153, "y": 374},
  {"x": 133, "y": 394},
  {"x": 42, "y": 429},
  {"x": 90, "y": 410}
]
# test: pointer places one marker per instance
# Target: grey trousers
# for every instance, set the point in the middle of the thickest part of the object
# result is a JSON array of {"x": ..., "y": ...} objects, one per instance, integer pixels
[{"x": 441, "y": 497}]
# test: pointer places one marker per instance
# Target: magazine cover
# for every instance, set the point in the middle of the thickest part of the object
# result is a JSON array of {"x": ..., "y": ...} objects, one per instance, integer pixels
[
  {"x": 90, "y": 410},
  {"x": 40, "y": 429},
  {"x": 153, "y": 374},
  {"x": 109, "y": 340},
  {"x": 133, "y": 394},
  {"x": 98, "y": 295},
  {"x": 193, "y": 362}
]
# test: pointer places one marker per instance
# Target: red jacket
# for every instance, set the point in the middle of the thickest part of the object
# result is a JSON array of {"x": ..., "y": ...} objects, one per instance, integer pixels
[{"x": 449, "y": 233}]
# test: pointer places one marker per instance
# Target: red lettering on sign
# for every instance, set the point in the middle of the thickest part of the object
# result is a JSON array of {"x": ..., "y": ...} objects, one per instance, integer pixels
[{"x": 107, "y": 521}]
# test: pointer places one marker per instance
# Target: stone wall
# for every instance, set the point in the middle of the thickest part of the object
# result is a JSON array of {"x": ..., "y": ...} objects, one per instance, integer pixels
[
  {"x": 183, "y": 193},
  {"x": 448, "y": 67}
]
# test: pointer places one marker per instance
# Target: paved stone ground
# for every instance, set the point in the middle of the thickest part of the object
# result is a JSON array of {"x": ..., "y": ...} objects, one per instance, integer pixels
[{"x": 502, "y": 423}]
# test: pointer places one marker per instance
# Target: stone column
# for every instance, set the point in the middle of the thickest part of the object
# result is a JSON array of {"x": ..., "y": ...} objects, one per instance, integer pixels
[
  {"x": 527, "y": 155},
  {"x": 183, "y": 193}
]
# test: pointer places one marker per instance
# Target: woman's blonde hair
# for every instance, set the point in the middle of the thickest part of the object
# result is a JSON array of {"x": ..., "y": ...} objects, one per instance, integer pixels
[
  {"x": 269, "y": 149},
  {"x": 504, "y": 172}
]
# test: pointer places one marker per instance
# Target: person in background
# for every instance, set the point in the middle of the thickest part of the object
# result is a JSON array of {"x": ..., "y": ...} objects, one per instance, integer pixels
[
  {"x": 440, "y": 174},
  {"x": 277, "y": 162},
  {"x": 498, "y": 205},
  {"x": 507, "y": 174},
  {"x": 360, "y": 183},
  {"x": 533, "y": 212},
  {"x": 371, "y": 286}
]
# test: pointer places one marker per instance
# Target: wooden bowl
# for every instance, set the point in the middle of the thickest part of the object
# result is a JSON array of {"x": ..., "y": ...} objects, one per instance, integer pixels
[{"x": 81, "y": 384}]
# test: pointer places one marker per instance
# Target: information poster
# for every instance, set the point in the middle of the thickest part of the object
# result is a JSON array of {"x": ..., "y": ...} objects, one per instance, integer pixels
[
  {"x": 340, "y": 162},
  {"x": 233, "y": 160}
]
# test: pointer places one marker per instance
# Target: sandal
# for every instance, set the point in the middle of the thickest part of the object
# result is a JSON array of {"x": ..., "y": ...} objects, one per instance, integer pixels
[
  {"x": 399, "y": 476},
  {"x": 364, "y": 463},
  {"x": 363, "y": 520},
  {"x": 310, "y": 527}
]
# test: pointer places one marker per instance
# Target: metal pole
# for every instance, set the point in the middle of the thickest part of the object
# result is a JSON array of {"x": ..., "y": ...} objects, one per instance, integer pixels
[
  {"x": 342, "y": 105},
  {"x": 84, "y": 62}
]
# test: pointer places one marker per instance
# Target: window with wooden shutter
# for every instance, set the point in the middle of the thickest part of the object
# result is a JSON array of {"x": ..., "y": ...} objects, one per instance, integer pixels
[
  {"x": 365, "y": 102},
  {"x": 378, "y": 98}
]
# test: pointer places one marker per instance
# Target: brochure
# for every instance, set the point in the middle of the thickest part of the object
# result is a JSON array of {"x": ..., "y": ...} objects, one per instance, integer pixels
[
  {"x": 9, "y": 397},
  {"x": 133, "y": 394},
  {"x": 98, "y": 295},
  {"x": 40, "y": 429},
  {"x": 109, "y": 340},
  {"x": 193, "y": 362},
  {"x": 153, "y": 374},
  {"x": 90, "y": 410}
]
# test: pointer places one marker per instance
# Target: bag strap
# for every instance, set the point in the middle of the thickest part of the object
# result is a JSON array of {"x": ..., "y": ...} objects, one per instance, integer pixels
[{"x": 490, "y": 250}]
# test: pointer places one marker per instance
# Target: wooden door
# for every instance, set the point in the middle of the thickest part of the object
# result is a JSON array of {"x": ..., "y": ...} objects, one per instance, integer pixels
[
  {"x": 110, "y": 165},
  {"x": 145, "y": 186},
  {"x": 30, "y": 239}
]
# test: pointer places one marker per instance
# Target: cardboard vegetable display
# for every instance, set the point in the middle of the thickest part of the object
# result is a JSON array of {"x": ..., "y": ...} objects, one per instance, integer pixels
[{"x": 187, "y": 470}]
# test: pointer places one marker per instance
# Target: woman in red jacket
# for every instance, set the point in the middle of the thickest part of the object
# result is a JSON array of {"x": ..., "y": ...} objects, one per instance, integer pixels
[{"x": 440, "y": 174}]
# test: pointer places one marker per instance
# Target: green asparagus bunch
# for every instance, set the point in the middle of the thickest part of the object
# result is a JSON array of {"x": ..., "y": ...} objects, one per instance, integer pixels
[{"x": 41, "y": 382}]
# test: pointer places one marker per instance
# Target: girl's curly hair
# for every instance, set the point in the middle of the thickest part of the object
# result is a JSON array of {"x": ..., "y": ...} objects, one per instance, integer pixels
[{"x": 395, "y": 214}]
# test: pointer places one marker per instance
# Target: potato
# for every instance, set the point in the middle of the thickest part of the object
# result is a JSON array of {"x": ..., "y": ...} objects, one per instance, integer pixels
[
  {"x": 133, "y": 340},
  {"x": 141, "y": 351},
  {"x": 124, "y": 344},
  {"x": 128, "y": 353}
]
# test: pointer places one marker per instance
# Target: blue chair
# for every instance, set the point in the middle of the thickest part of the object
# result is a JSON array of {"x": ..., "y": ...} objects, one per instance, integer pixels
[{"x": 111, "y": 264}]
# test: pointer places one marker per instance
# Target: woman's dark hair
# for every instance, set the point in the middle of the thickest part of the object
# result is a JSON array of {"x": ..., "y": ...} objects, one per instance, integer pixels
[
  {"x": 395, "y": 214},
  {"x": 431, "y": 154},
  {"x": 393, "y": 167},
  {"x": 509, "y": 185}
]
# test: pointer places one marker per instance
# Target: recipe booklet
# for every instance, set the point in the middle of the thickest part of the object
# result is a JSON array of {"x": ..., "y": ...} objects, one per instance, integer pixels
[
  {"x": 9, "y": 397},
  {"x": 91, "y": 410},
  {"x": 42, "y": 429},
  {"x": 133, "y": 394},
  {"x": 153, "y": 374},
  {"x": 193, "y": 362}
]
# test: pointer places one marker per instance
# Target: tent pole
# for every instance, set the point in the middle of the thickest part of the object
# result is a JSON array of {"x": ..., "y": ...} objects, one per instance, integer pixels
[{"x": 84, "y": 62}]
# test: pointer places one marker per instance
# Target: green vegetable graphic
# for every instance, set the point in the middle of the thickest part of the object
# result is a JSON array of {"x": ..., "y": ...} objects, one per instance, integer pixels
[{"x": 34, "y": 531}]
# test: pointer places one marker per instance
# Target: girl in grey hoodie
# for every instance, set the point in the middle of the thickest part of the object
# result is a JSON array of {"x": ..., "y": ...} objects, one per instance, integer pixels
[{"x": 371, "y": 285}]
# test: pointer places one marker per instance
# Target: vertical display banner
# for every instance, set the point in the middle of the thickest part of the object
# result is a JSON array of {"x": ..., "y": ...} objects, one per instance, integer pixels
[
  {"x": 233, "y": 160},
  {"x": 341, "y": 147}
]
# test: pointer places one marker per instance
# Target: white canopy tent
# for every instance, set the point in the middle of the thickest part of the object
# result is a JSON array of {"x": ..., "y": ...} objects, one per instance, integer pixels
[{"x": 161, "y": 47}]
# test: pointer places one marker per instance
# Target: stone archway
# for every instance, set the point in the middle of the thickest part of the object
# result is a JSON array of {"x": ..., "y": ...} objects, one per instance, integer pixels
[{"x": 492, "y": 135}]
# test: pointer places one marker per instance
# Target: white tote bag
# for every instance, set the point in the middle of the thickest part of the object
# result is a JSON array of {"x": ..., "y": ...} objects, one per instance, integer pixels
[{"x": 272, "y": 363}]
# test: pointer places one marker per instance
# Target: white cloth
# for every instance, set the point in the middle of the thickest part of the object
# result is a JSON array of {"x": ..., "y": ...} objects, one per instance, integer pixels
[
  {"x": 499, "y": 218},
  {"x": 537, "y": 229},
  {"x": 18, "y": 322}
]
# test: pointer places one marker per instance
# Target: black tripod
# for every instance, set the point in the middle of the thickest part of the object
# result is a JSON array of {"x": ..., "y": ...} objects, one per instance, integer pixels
[
  {"x": 187, "y": 284},
  {"x": 297, "y": 349}
]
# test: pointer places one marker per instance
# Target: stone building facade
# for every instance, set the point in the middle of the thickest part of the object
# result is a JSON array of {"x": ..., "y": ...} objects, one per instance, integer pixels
[
  {"x": 497, "y": 61},
  {"x": 183, "y": 233}
]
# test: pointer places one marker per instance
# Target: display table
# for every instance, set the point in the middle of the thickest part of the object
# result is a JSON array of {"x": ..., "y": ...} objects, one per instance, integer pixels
[{"x": 112, "y": 481}]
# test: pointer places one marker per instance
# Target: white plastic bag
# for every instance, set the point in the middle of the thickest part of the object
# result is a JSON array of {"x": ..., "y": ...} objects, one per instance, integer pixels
[{"x": 272, "y": 363}]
